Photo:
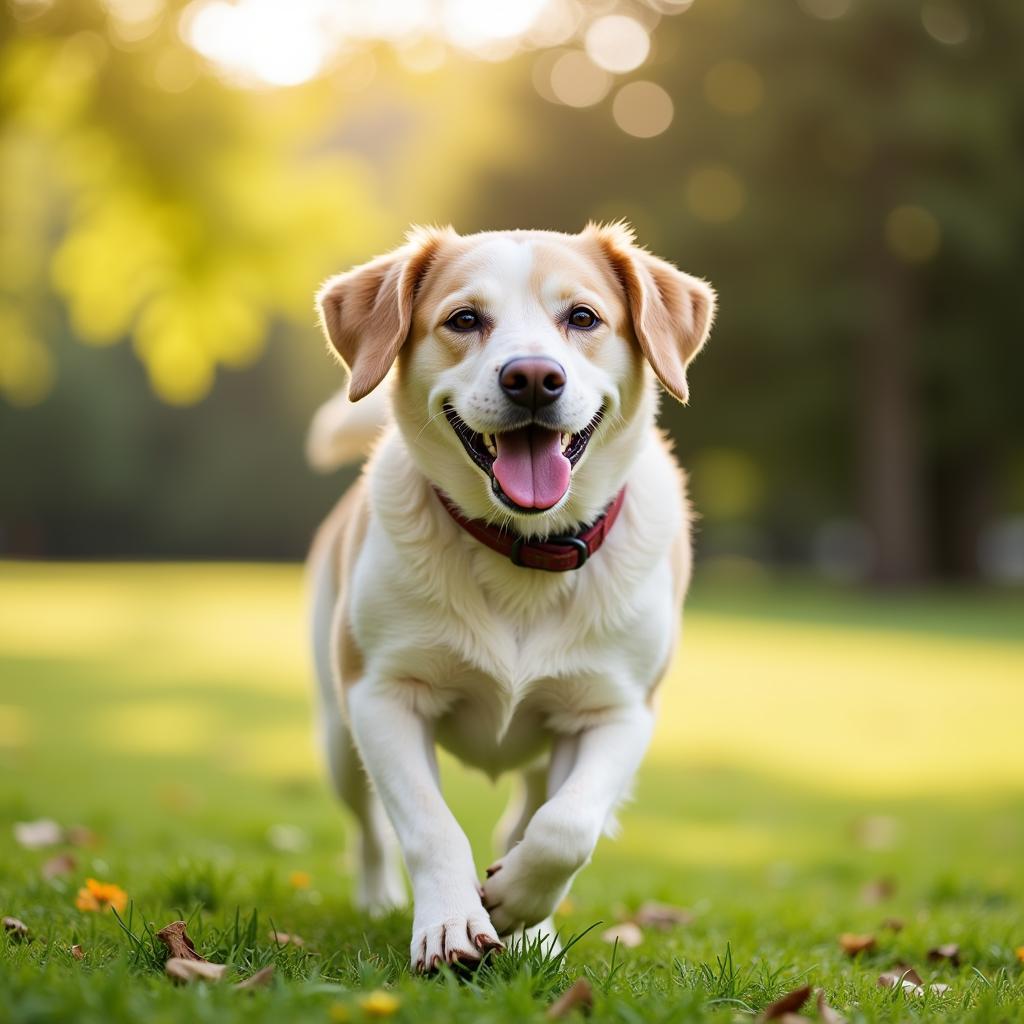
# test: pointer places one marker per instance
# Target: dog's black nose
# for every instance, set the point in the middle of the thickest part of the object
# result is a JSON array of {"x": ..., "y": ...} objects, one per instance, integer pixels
[{"x": 532, "y": 381}]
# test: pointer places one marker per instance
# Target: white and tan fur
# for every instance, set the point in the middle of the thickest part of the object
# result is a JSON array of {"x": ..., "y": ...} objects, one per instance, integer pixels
[{"x": 424, "y": 636}]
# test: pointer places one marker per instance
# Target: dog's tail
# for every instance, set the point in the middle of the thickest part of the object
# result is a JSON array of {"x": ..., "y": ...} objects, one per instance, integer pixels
[{"x": 343, "y": 432}]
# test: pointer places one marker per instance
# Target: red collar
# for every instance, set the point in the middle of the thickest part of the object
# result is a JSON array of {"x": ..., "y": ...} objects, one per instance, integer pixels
[{"x": 556, "y": 554}]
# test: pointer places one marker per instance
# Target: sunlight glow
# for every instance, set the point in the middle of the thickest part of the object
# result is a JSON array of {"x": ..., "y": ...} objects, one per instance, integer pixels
[
  {"x": 267, "y": 43},
  {"x": 617, "y": 43}
]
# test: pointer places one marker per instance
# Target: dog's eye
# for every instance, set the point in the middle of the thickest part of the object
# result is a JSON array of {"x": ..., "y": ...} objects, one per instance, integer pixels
[
  {"x": 463, "y": 320},
  {"x": 583, "y": 319}
]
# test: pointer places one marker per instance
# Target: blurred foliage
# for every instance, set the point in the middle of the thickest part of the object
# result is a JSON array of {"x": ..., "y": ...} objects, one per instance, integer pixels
[{"x": 846, "y": 172}]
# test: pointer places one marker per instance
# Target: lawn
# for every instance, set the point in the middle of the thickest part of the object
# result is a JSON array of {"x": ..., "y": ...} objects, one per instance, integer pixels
[{"x": 814, "y": 744}]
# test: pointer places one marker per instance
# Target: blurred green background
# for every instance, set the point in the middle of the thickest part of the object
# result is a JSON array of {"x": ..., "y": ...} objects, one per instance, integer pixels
[{"x": 177, "y": 179}]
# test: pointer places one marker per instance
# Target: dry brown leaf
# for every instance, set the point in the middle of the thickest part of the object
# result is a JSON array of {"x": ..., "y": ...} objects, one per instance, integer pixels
[
  {"x": 178, "y": 944},
  {"x": 877, "y": 891},
  {"x": 662, "y": 916},
  {"x": 77, "y": 952},
  {"x": 179, "y": 969},
  {"x": 939, "y": 988},
  {"x": 947, "y": 951},
  {"x": 826, "y": 1013},
  {"x": 79, "y": 835},
  {"x": 16, "y": 929},
  {"x": 261, "y": 979},
  {"x": 893, "y": 924},
  {"x": 627, "y": 934},
  {"x": 36, "y": 835},
  {"x": 62, "y": 864},
  {"x": 854, "y": 944},
  {"x": 287, "y": 939},
  {"x": 786, "y": 1005},
  {"x": 902, "y": 977},
  {"x": 579, "y": 996}
]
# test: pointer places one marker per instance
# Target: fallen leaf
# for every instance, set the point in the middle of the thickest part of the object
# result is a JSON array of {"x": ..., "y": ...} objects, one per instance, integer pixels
[
  {"x": 77, "y": 953},
  {"x": 286, "y": 939},
  {"x": 626, "y": 934},
  {"x": 662, "y": 916},
  {"x": 853, "y": 944},
  {"x": 893, "y": 924},
  {"x": 35, "y": 835},
  {"x": 947, "y": 951},
  {"x": 79, "y": 835},
  {"x": 16, "y": 929},
  {"x": 786, "y": 1005},
  {"x": 578, "y": 996},
  {"x": 379, "y": 1003},
  {"x": 877, "y": 891},
  {"x": 902, "y": 977},
  {"x": 178, "y": 944},
  {"x": 261, "y": 979},
  {"x": 62, "y": 864},
  {"x": 826, "y": 1013},
  {"x": 179, "y": 969}
]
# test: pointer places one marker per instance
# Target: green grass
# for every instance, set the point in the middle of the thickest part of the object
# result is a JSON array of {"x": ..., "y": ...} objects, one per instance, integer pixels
[{"x": 811, "y": 741}]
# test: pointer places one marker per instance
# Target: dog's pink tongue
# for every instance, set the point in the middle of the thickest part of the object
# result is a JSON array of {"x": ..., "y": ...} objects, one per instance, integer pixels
[{"x": 530, "y": 466}]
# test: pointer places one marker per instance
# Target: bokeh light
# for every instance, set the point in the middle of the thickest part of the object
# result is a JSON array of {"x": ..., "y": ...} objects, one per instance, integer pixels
[
  {"x": 642, "y": 109},
  {"x": 617, "y": 43},
  {"x": 734, "y": 87},
  {"x": 912, "y": 233},
  {"x": 577, "y": 82},
  {"x": 715, "y": 193},
  {"x": 945, "y": 22},
  {"x": 258, "y": 40},
  {"x": 827, "y": 10}
]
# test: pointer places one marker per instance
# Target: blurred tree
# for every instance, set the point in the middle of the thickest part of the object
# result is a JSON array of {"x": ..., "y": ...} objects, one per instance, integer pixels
[{"x": 847, "y": 173}]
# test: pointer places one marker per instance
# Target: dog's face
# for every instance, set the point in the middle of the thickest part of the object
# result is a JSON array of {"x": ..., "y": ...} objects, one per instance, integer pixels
[{"x": 521, "y": 389}]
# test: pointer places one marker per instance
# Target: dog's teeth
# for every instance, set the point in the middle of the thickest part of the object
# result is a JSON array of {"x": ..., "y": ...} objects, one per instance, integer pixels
[
  {"x": 490, "y": 445},
  {"x": 566, "y": 438}
]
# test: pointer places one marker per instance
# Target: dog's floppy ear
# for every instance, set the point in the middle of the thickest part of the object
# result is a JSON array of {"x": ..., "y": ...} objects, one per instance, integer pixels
[
  {"x": 671, "y": 311},
  {"x": 366, "y": 313}
]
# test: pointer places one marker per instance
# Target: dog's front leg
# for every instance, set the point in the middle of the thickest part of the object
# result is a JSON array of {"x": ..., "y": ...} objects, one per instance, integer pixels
[
  {"x": 597, "y": 766},
  {"x": 396, "y": 743}
]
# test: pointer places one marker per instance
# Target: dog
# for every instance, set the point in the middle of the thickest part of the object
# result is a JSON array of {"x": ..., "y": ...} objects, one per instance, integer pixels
[{"x": 506, "y": 577}]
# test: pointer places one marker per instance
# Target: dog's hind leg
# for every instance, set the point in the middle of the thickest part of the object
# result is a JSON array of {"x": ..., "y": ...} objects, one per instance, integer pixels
[
  {"x": 530, "y": 792},
  {"x": 381, "y": 885}
]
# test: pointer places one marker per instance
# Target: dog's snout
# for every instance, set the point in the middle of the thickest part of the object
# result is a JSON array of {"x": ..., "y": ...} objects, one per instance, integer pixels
[{"x": 532, "y": 381}]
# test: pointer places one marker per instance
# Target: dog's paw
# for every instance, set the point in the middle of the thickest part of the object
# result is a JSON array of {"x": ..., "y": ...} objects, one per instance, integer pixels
[
  {"x": 525, "y": 886},
  {"x": 457, "y": 939},
  {"x": 520, "y": 892}
]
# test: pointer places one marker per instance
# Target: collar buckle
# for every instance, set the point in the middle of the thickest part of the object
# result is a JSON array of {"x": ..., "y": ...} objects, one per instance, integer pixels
[{"x": 582, "y": 552}]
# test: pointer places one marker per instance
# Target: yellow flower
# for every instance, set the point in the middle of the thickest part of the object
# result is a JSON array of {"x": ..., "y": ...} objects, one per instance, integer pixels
[
  {"x": 379, "y": 1003},
  {"x": 300, "y": 879},
  {"x": 1020, "y": 954},
  {"x": 96, "y": 896}
]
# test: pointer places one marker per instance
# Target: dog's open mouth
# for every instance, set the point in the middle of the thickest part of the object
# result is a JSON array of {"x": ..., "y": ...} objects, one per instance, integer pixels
[{"x": 529, "y": 467}]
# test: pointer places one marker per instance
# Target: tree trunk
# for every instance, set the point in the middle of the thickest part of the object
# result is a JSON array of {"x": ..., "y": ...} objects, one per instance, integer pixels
[{"x": 890, "y": 455}]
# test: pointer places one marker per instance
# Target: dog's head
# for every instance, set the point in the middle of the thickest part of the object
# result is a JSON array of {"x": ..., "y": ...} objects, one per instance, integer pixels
[{"x": 521, "y": 390}]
